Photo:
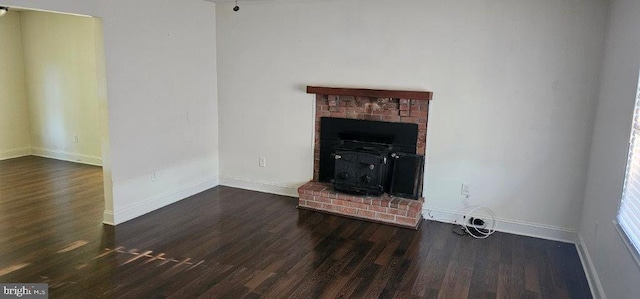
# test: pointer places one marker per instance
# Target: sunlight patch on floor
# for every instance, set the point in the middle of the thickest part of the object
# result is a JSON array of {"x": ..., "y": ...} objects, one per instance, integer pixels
[
  {"x": 74, "y": 245},
  {"x": 7, "y": 270}
]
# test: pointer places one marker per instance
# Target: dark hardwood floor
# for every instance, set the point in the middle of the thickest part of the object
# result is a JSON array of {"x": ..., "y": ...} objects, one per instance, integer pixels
[{"x": 232, "y": 243}]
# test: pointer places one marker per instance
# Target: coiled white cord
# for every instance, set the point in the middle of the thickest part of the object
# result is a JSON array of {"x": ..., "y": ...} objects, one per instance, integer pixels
[{"x": 474, "y": 230}]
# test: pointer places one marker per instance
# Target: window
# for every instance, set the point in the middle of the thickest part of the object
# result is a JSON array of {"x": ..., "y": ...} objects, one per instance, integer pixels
[{"x": 629, "y": 212}]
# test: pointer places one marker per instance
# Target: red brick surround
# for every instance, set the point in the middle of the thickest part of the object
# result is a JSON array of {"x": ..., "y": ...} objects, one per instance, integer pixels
[{"x": 378, "y": 105}]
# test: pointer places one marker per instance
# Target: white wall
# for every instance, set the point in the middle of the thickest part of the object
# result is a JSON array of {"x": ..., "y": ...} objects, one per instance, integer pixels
[
  {"x": 62, "y": 86},
  {"x": 14, "y": 120},
  {"x": 162, "y": 98},
  {"x": 161, "y": 76},
  {"x": 514, "y": 82},
  {"x": 601, "y": 245}
]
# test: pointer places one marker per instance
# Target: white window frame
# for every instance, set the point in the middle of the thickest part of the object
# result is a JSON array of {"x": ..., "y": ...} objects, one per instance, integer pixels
[{"x": 628, "y": 230}]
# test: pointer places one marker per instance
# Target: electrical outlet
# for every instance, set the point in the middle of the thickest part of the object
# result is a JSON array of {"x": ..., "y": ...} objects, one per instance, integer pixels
[
  {"x": 75, "y": 138},
  {"x": 464, "y": 190},
  {"x": 154, "y": 175},
  {"x": 262, "y": 162}
]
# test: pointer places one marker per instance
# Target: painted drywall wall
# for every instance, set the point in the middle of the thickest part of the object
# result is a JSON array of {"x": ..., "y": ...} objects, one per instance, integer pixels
[
  {"x": 162, "y": 88},
  {"x": 601, "y": 244},
  {"x": 60, "y": 67},
  {"x": 162, "y": 98},
  {"x": 14, "y": 120},
  {"x": 514, "y": 82}
]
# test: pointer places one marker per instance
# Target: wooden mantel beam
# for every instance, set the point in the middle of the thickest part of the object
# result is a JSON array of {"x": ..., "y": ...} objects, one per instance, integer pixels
[{"x": 374, "y": 93}]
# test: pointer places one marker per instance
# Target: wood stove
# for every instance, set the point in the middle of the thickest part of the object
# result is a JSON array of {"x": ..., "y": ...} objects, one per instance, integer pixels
[
  {"x": 358, "y": 156},
  {"x": 362, "y": 168}
]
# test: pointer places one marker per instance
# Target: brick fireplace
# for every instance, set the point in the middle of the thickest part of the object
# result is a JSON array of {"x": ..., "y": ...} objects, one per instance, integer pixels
[{"x": 394, "y": 106}]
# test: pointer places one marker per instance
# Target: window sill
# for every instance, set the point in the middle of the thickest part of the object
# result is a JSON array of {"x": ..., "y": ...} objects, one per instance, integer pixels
[{"x": 627, "y": 243}]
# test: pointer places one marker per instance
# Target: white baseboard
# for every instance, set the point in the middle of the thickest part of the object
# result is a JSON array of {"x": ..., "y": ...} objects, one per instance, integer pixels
[
  {"x": 15, "y": 153},
  {"x": 107, "y": 218},
  {"x": 66, "y": 156},
  {"x": 259, "y": 186},
  {"x": 156, "y": 202},
  {"x": 509, "y": 226},
  {"x": 590, "y": 270}
]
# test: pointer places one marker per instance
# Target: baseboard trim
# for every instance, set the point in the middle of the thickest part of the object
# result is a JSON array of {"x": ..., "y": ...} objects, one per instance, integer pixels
[
  {"x": 15, "y": 153},
  {"x": 259, "y": 186},
  {"x": 66, "y": 156},
  {"x": 590, "y": 269},
  {"x": 107, "y": 218},
  {"x": 509, "y": 226},
  {"x": 156, "y": 202}
]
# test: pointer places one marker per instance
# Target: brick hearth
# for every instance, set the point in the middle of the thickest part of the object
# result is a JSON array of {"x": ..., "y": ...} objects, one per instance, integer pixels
[
  {"x": 378, "y": 105},
  {"x": 393, "y": 210}
]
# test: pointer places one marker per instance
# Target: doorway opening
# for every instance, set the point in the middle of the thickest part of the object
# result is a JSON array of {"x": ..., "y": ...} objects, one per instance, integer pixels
[{"x": 54, "y": 137}]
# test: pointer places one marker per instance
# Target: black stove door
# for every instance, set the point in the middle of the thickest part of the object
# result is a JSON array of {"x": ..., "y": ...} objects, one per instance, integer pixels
[{"x": 357, "y": 172}]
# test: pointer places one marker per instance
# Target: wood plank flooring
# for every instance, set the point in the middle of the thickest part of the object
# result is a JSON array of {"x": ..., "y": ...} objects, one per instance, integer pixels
[{"x": 232, "y": 243}]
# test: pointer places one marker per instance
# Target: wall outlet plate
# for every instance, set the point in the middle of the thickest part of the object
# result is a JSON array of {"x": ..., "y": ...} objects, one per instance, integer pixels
[
  {"x": 154, "y": 175},
  {"x": 464, "y": 190}
]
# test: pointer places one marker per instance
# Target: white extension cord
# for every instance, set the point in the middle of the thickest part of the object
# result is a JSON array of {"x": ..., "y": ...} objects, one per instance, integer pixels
[{"x": 474, "y": 230}]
